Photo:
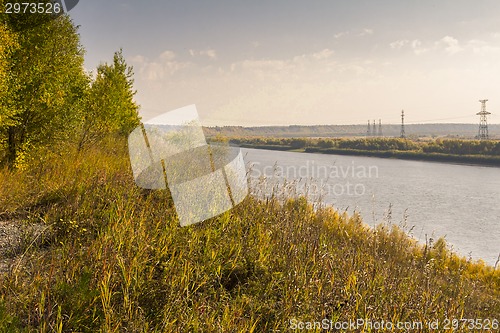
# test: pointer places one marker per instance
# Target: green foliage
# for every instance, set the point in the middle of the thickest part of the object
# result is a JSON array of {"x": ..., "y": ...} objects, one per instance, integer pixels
[
  {"x": 298, "y": 143},
  {"x": 8, "y": 44},
  {"x": 47, "y": 81},
  {"x": 463, "y": 147},
  {"x": 109, "y": 105},
  {"x": 46, "y": 98},
  {"x": 470, "y": 151},
  {"x": 324, "y": 143},
  {"x": 115, "y": 259},
  {"x": 8, "y": 323},
  {"x": 377, "y": 144}
]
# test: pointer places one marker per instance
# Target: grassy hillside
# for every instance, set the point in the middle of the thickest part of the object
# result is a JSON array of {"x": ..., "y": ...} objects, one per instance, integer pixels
[{"x": 96, "y": 253}]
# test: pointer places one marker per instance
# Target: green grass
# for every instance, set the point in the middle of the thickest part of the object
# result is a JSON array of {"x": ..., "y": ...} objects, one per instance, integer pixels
[{"x": 112, "y": 258}]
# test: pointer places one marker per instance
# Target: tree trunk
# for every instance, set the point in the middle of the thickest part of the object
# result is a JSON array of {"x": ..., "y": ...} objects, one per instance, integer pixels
[{"x": 12, "y": 146}]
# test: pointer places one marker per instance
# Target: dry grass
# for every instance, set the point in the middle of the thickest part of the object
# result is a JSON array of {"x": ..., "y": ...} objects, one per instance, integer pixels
[{"x": 112, "y": 258}]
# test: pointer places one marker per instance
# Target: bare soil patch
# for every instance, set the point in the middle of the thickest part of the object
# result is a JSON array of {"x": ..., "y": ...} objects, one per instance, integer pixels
[{"x": 15, "y": 237}]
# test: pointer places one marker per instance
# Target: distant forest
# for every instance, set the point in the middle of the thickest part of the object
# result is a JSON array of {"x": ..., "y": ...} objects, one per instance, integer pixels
[{"x": 412, "y": 130}]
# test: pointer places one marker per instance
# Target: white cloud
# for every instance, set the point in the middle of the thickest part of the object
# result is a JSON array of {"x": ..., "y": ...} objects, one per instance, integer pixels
[
  {"x": 262, "y": 70},
  {"x": 366, "y": 32},
  {"x": 324, "y": 54},
  {"x": 209, "y": 53},
  {"x": 481, "y": 47},
  {"x": 167, "y": 55},
  {"x": 398, "y": 44},
  {"x": 138, "y": 59},
  {"x": 314, "y": 87},
  {"x": 321, "y": 61},
  {"x": 341, "y": 34},
  {"x": 161, "y": 68},
  {"x": 256, "y": 91},
  {"x": 416, "y": 45},
  {"x": 450, "y": 45}
]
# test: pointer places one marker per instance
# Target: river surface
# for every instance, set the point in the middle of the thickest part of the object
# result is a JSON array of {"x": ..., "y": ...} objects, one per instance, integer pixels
[{"x": 428, "y": 199}]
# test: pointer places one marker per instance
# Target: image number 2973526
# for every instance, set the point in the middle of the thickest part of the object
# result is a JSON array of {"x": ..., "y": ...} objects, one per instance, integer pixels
[{"x": 40, "y": 11}]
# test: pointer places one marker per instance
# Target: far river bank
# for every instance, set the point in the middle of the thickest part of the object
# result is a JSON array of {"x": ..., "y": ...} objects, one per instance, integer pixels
[{"x": 484, "y": 160}]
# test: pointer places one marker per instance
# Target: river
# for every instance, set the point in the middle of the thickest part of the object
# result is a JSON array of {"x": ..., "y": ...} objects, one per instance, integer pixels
[{"x": 428, "y": 199}]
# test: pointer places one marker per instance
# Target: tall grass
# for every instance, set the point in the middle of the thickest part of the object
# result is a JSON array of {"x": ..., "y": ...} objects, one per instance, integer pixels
[{"x": 112, "y": 258}]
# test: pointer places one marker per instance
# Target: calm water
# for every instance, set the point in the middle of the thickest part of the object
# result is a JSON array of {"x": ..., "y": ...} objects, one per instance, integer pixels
[{"x": 459, "y": 202}]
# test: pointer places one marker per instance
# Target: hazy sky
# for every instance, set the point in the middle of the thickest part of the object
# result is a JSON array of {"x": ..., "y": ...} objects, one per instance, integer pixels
[{"x": 309, "y": 62}]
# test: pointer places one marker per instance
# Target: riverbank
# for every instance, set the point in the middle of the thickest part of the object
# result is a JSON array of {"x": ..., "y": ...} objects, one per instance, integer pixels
[
  {"x": 399, "y": 154},
  {"x": 112, "y": 257}
]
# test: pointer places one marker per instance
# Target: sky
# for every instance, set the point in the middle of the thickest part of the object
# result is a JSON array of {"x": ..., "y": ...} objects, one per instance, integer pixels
[{"x": 309, "y": 62}]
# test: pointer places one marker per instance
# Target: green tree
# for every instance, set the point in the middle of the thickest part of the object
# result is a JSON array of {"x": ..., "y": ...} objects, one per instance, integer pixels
[
  {"x": 109, "y": 103},
  {"x": 298, "y": 143},
  {"x": 47, "y": 83},
  {"x": 8, "y": 43}
]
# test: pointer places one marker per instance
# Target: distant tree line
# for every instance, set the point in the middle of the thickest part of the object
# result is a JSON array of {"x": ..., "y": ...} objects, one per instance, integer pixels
[
  {"x": 450, "y": 131},
  {"x": 47, "y": 97},
  {"x": 463, "y": 147},
  {"x": 441, "y": 146}
]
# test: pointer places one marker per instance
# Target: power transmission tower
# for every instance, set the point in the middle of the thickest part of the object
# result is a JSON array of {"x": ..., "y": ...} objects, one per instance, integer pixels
[
  {"x": 483, "y": 123},
  {"x": 369, "y": 130},
  {"x": 374, "y": 131},
  {"x": 380, "y": 127},
  {"x": 403, "y": 134}
]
